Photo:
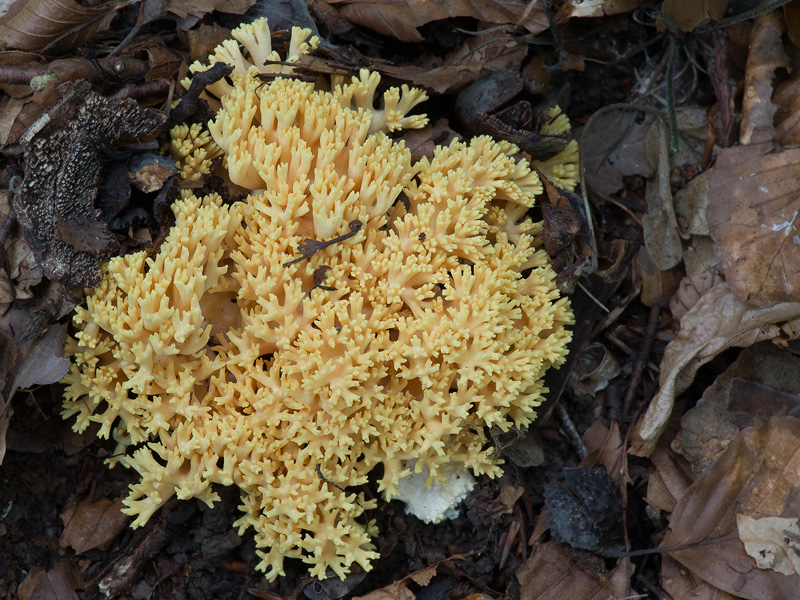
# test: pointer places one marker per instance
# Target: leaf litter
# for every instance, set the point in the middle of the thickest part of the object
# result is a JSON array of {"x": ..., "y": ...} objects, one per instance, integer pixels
[{"x": 685, "y": 446}]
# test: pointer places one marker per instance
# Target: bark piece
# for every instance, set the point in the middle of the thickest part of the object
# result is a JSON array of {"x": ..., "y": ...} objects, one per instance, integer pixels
[{"x": 64, "y": 156}]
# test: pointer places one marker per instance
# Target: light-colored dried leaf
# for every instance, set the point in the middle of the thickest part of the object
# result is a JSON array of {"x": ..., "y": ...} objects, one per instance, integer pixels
[
  {"x": 754, "y": 203},
  {"x": 717, "y": 321},
  {"x": 401, "y": 19},
  {"x": 765, "y": 57},
  {"x": 772, "y": 542},
  {"x": 758, "y": 475},
  {"x": 92, "y": 524}
]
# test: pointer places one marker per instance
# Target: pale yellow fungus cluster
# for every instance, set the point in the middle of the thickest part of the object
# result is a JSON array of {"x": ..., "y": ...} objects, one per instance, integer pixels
[{"x": 355, "y": 310}]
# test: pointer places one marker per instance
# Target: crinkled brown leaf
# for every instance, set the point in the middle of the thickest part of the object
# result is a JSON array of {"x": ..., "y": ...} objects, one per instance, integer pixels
[
  {"x": 92, "y": 524},
  {"x": 716, "y": 322},
  {"x": 766, "y": 56},
  {"x": 402, "y": 18},
  {"x": 758, "y": 475},
  {"x": 57, "y": 25},
  {"x": 754, "y": 203}
]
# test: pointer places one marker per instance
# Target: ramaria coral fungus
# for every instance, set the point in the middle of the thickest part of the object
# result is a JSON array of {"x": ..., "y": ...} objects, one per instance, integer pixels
[{"x": 356, "y": 309}]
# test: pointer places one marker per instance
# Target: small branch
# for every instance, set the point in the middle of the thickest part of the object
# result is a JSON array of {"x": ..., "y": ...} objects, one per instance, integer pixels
[
  {"x": 200, "y": 81},
  {"x": 644, "y": 352},
  {"x": 309, "y": 247}
]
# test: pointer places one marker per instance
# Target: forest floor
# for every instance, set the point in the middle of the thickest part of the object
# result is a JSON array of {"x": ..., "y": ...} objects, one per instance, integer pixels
[{"x": 663, "y": 463}]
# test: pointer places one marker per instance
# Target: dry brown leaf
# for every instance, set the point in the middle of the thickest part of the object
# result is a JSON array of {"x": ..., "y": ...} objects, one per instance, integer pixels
[
  {"x": 754, "y": 202},
  {"x": 772, "y": 542},
  {"x": 400, "y": 19},
  {"x": 765, "y": 57},
  {"x": 394, "y": 591},
  {"x": 55, "y": 584},
  {"x": 761, "y": 383},
  {"x": 424, "y": 576},
  {"x": 689, "y": 15},
  {"x": 670, "y": 476},
  {"x": 40, "y": 360},
  {"x": 605, "y": 448},
  {"x": 661, "y": 236},
  {"x": 599, "y": 8},
  {"x": 690, "y": 290},
  {"x": 758, "y": 475},
  {"x": 92, "y": 524},
  {"x": 399, "y": 589},
  {"x": 477, "y": 58},
  {"x": 555, "y": 571},
  {"x": 679, "y": 583},
  {"x": 717, "y": 321},
  {"x": 200, "y": 8},
  {"x": 614, "y": 147},
  {"x": 54, "y": 25},
  {"x": 4, "y": 420}
]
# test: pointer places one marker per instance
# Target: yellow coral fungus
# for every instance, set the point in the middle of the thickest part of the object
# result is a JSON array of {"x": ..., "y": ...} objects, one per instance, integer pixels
[{"x": 355, "y": 310}]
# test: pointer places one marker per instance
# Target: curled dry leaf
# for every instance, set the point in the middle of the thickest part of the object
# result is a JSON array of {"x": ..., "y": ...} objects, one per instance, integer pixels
[
  {"x": 716, "y": 322},
  {"x": 754, "y": 203},
  {"x": 765, "y": 57},
  {"x": 772, "y": 542},
  {"x": 57, "y": 25},
  {"x": 758, "y": 475},
  {"x": 402, "y": 18}
]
